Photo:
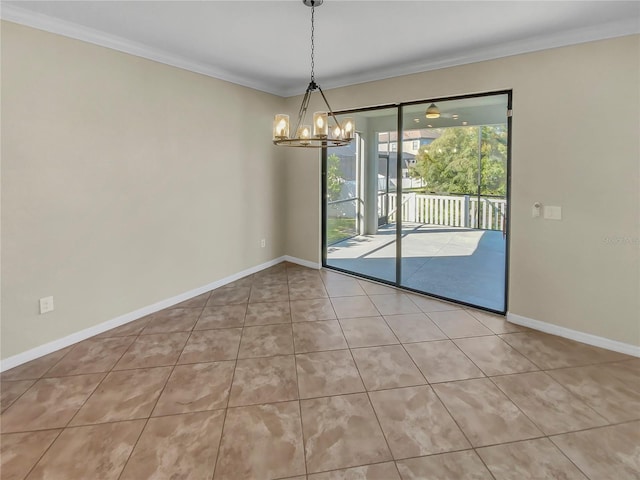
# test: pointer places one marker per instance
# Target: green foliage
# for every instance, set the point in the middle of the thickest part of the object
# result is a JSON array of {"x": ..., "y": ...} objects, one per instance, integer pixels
[
  {"x": 334, "y": 177},
  {"x": 339, "y": 229},
  {"x": 450, "y": 163}
]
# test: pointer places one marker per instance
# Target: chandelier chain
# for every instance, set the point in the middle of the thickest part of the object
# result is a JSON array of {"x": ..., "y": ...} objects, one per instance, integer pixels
[{"x": 313, "y": 9}]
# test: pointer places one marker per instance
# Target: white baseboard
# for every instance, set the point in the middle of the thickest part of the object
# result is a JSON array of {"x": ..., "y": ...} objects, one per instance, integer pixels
[
  {"x": 304, "y": 263},
  {"x": 582, "y": 337},
  {"x": 37, "y": 352}
]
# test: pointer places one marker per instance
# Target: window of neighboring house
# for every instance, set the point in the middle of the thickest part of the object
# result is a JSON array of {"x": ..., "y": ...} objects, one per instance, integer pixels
[
  {"x": 394, "y": 147},
  {"x": 416, "y": 144}
]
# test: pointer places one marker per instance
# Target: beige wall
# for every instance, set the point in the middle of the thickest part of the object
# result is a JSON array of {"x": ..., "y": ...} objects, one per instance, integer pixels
[
  {"x": 124, "y": 182},
  {"x": 575, "y": 144}
]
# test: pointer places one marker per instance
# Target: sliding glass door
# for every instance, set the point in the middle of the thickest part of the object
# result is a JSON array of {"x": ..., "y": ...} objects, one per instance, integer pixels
[
  {"x": 360, "y": 192},
  {"x": 427, "y": 208},
  {"x": 454, "y": 219}
]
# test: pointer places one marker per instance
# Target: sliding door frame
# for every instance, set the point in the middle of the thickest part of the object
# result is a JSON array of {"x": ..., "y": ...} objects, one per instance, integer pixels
[
  {"x": 323, "y": 191},
  {"x": 399, "y": 112}
]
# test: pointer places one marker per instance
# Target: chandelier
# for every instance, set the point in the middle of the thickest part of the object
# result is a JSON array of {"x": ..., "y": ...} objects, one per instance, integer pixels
[{"x": 327, "y": 131}]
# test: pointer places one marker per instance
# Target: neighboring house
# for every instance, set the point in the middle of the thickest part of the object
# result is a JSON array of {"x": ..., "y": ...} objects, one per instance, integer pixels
[
  {"x": 413, "y": 141},
  {"x": 387, "y": 148}
]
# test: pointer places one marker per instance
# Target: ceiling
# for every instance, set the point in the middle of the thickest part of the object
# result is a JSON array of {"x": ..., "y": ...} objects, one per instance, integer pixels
[{"x": 266, "y": 44}]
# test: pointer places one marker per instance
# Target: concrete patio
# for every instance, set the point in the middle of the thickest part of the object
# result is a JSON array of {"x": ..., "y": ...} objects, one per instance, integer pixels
[{"x": 457, "y": 263}]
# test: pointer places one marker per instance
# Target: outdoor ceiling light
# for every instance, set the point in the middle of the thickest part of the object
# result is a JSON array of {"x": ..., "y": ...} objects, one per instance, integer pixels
[
  {"x": 433, "y": 111},
  {"x": 322, "y": 134}
]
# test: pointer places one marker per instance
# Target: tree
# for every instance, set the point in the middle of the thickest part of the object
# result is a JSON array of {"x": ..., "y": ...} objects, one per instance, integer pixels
[
  {"x": 449, "y": 164},
  {"x": 334, "y": 177}
]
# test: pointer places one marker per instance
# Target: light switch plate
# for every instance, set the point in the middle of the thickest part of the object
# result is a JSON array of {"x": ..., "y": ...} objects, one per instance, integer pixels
[
  {"x": 535, "y": 209},
  {"x": 552, "y": 212}
]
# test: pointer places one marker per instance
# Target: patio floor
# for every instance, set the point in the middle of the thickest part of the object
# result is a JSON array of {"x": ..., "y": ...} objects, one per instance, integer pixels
[{"x": 457, "y": 263}]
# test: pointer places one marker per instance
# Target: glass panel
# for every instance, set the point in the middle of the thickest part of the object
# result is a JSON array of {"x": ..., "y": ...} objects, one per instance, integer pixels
[
  {"x": 454, "y": 200},
  {"x": 361, "y": 198},
  {"x": 452, "y": 214}
]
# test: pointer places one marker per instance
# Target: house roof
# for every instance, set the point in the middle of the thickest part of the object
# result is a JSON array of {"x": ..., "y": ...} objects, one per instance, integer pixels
[{"x": 415, "y": 134}]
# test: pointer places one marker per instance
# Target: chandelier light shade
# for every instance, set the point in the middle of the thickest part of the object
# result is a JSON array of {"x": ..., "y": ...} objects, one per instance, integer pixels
[
  {"x": 327, "y": 130},
  {"x": 281, "y": 126},
  {"x": 320, "y": 125},
  {"x": 433, "y": 111},
  {"x": 348, "y": 127},
  {"x": 303, "y": 134}
]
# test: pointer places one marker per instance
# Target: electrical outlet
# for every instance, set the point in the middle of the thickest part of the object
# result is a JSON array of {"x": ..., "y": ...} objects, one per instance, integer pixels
[
  {"x": 263, "y": 243},
  {"x": 46, "y": 305}
]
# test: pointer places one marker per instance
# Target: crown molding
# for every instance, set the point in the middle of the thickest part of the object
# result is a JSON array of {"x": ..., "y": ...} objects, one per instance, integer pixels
[
  {"x": 12, "y": 13},
  {"x": 628, "y": 26}
]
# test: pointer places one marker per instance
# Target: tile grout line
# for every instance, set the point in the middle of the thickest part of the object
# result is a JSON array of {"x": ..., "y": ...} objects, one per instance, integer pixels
[
  {"x": 295, "y": 364},
  {"x": 73, "y": 347},
  {"x": 569, "y": 393},
  {"x": 106, "y": 374},
  {"x": 384, "y": 436},
  {"x": 323, "y": 472},
  {"x": 35, "y": 464},
  {"x": 428, "y": 384},
  {"x": 544, "y": 434},
  {"x": 547, "y": 436},
  {"x": 407, "y": 352},
  {"x": 426, "y": 314},
  {"x": 475, "y": 450},
  {"x": 304, "y": 439},
  {"x": 578, "y": 365},
  {"x": 462, "y": 431},
  {"x": 557, "y": 447},
  {"x": 494, "y": 384},
  {"x": 233, "y": 375},
  {"x": 142, "y": 430},
  {"x": 464, "y": 434},
  {"x": 2, "y": 410},
  {"x": 363, "y": 384}
]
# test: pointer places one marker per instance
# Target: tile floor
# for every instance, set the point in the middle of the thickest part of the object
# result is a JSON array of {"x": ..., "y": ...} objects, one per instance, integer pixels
[{"x": 303, "y": 374}]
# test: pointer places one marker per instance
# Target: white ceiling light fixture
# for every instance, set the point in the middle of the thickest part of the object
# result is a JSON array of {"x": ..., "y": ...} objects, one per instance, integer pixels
[
  {"x": 321, "y": 134},
  {"x": 433, "y": 111}
]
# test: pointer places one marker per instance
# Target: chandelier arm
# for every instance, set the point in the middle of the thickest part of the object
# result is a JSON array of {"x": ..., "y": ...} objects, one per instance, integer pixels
[
  {"x": 326, "y": 102},
  {"x": 303, "y": 109}
]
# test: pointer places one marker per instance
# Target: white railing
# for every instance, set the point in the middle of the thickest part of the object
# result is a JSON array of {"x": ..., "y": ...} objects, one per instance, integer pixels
[{"x": 451, "y": 210}]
